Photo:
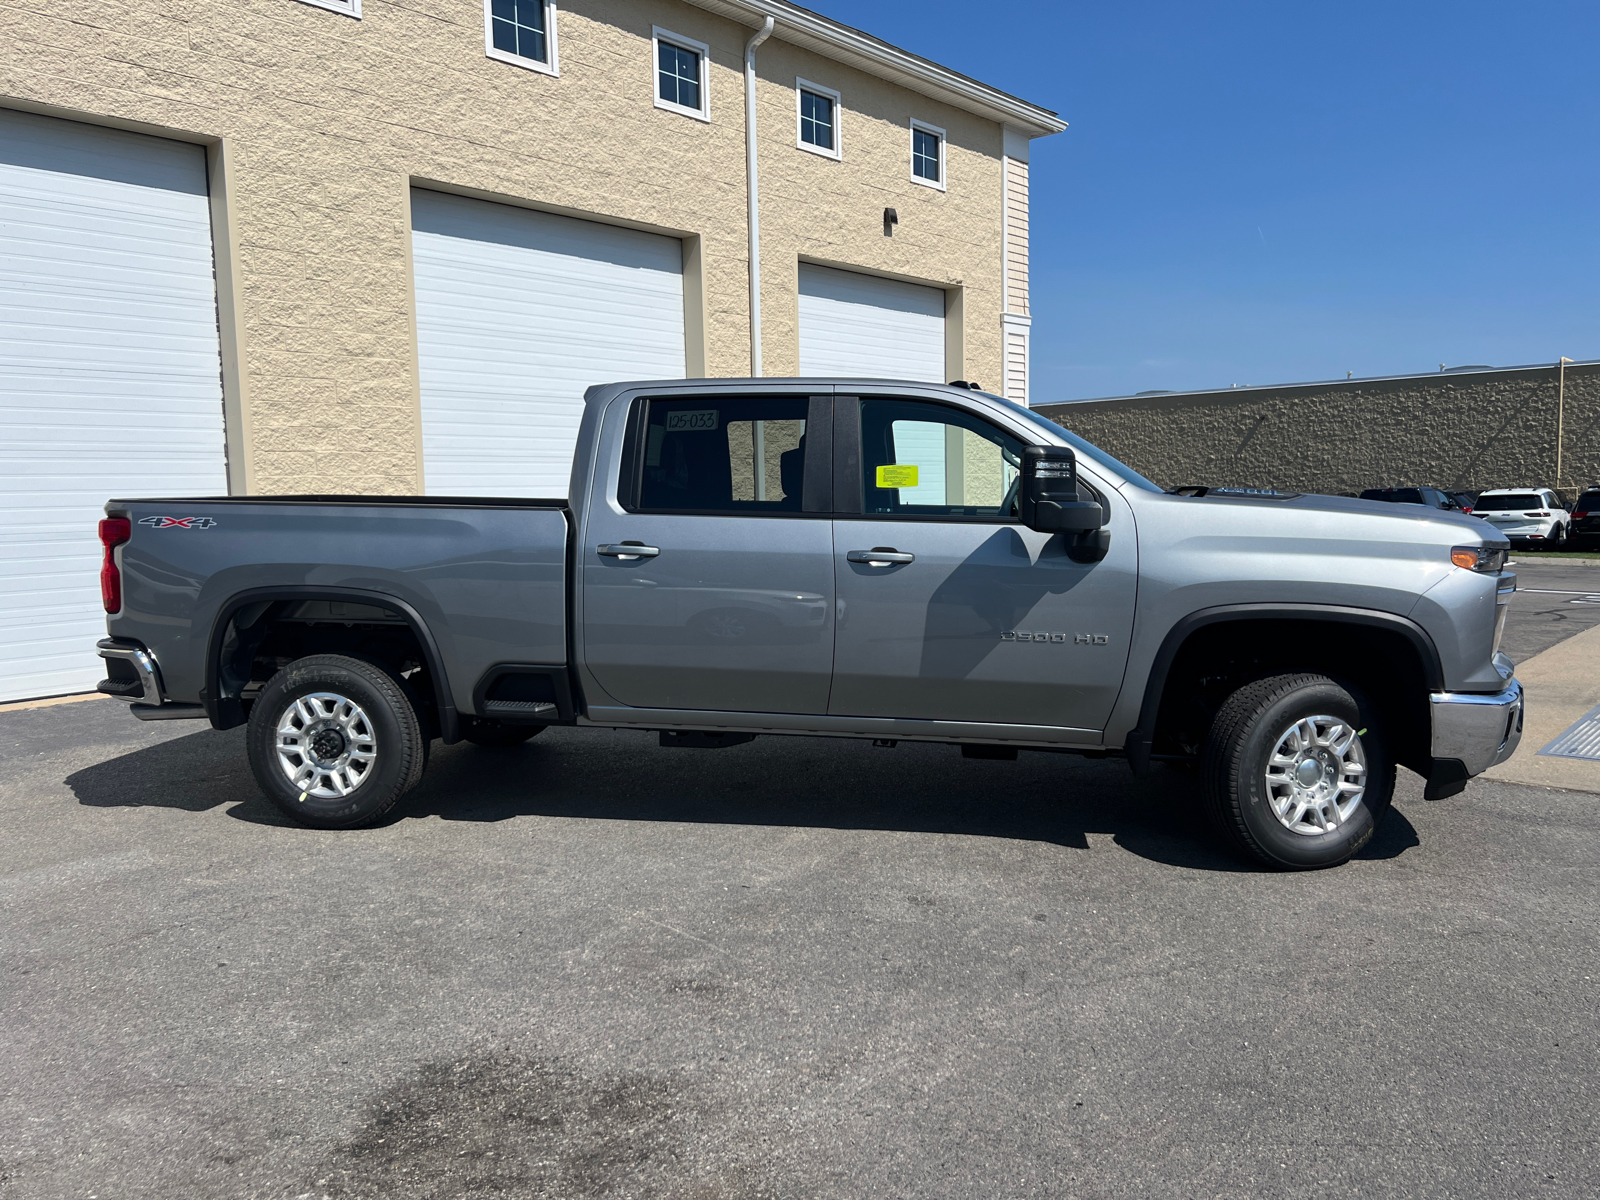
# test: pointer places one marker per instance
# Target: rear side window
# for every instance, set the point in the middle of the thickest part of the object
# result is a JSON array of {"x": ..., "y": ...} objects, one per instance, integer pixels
[
  {"x": 1509, "y": 503},
  {"x": 711, "y": 455}
]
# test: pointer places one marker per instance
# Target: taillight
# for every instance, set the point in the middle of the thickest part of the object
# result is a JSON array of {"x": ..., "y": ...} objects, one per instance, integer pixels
[
  {"x": 1581, "y": 513},
  {"x": 113, "y": 532}
]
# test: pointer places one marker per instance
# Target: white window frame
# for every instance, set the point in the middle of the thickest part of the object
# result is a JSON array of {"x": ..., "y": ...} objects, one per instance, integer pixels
[
  {"x": 345, "y": 8},
  {"x": 911, "y": 150},
  {"x": 659, "y": 35},
  {"x": 805, "y": 85},
  {"x": 516, "y": 60}
]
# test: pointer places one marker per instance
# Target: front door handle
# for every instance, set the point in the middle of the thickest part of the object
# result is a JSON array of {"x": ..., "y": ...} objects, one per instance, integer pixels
[
  {"x": 628, "y": 551},
  {"x": 880, "y": 556}
]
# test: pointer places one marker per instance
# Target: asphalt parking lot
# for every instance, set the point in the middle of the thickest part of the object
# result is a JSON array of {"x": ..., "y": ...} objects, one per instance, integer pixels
[
  {"x": 797, "y": 968},
  {"x": 1555, "y": 599}
]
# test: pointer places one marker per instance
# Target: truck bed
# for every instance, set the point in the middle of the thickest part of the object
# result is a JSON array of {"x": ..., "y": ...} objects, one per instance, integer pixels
[{"x": 483, "y": 580}]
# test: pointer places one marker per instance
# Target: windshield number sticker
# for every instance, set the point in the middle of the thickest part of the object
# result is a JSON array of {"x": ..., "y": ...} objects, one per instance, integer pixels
[{"x": 701, "y": 420}]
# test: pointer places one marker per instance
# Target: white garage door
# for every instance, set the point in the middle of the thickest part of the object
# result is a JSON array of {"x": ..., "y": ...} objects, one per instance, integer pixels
[
  {"x": 110, "y": 377},
  {"x": 518, "y": 313},
  {"x": 854, "y": 324}
]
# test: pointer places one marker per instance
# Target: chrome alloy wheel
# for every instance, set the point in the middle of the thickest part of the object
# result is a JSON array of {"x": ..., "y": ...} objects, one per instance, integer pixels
[
  {"x": 326, "y": 745},
  {"x": 1316, "y": 775}
]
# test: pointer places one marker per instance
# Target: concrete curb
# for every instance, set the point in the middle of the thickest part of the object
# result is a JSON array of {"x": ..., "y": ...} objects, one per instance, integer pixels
[
  {"x": 51, "y": 701},
  {"x": 1562, "y": 684}
]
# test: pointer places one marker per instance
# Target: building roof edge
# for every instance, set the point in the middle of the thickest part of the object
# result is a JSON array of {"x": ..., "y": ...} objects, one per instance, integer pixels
[
  {"x": 830, "y": 38},
  {"x": 1243, "y": 389}
]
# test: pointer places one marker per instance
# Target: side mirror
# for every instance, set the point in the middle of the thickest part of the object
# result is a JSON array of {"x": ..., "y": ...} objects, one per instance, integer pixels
[{"x": 1048, "y": 496}]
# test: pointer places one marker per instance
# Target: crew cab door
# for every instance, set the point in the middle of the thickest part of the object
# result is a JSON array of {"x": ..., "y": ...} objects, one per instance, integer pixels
[
  {"x": 707, "y": 579},
  {"x": 949, "y": 608}
]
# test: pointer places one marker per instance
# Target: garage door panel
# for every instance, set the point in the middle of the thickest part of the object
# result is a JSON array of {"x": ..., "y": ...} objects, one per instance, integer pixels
[
  {"x": 518, "y": 314},
  {"x": 861, "y": 325},
  {"x": 110, "y": 372}
]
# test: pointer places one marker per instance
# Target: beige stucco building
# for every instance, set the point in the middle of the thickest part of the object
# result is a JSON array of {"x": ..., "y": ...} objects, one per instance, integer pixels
[{"x": 397, "y": 299}]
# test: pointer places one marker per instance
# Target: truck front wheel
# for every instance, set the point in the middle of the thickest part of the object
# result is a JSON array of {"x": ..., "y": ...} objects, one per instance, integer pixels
[
  {"x": 335, "y": 742},
  {"x": 1297, "y": 772}
]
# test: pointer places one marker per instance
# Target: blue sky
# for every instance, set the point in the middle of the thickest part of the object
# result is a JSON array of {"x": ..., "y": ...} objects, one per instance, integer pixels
[{"x": 1272, "y": 192}]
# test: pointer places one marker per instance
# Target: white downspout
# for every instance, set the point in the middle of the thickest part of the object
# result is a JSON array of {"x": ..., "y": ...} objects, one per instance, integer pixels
[{"x": 753, "y": 218}]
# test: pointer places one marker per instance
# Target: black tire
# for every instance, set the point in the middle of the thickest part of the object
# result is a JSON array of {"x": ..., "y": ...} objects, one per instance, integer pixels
[
  {"x": 364, "y": 788},
  {"x": 1234, "y": 763},
  {"x": 495, "y": 735}
]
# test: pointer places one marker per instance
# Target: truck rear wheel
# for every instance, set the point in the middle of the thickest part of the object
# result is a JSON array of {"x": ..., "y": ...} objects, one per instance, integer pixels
[
  {"x": 335, "y": 742},
  {"x": 1296, "y": 771}
]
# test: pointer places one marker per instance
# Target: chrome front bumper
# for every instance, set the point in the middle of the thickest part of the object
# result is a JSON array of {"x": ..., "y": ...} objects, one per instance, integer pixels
[{"x": 1478, "y": 731}]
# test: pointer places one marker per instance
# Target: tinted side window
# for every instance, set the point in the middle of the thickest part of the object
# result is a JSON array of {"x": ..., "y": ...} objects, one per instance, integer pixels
[
  {"x": 922, "y": 459},
  {"x": 719, "y": 454}
]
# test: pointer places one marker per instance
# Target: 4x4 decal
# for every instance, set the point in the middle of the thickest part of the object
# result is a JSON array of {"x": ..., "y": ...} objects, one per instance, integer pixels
[{"x": 178, "y": 522}]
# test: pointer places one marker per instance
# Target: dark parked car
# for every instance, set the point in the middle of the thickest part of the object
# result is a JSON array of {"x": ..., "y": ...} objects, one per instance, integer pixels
[
  {"x": 1586, "y": 513},
  {"x": 1465, "y": 500},
  {"x": 1432, "y": 497}
]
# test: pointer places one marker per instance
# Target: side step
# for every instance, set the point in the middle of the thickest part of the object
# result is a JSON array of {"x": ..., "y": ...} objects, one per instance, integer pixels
[{"x": 521, "y": 710}]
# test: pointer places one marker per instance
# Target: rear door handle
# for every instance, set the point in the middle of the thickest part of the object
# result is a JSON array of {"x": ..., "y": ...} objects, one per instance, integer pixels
[
  {"x": 880, "y": 556},
  {"x": 628, "y": 551}
]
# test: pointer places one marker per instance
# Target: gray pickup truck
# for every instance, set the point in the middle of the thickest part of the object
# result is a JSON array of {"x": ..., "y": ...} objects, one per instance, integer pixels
[{"x": 838, "y": 558}]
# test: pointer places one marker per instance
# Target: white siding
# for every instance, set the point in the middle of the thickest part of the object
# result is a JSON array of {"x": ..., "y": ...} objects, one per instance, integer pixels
[
  {"x": 518, "y": 313},
  {"x": 1016, "y": 217},
  {"x": 861, "y": 325},
  {"x": 1016, "y": 349},
  {"x": 110, "y": 373}
]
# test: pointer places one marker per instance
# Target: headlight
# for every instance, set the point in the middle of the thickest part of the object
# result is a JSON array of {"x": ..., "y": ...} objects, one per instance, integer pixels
[{"x": 1486, "y": 560}]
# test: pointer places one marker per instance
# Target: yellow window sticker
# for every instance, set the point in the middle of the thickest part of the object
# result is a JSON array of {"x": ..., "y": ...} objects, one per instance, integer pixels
[{"x": 895, "y": 475}]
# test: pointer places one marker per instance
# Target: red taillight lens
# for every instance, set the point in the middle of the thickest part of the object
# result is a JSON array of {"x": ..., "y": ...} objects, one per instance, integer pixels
[
  {"x": 113, "y": 532},
  {"x": 1582, "y": 512}
]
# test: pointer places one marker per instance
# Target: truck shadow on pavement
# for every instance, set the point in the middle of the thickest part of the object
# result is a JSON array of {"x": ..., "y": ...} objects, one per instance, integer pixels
[{"x": 797, "y": 782}]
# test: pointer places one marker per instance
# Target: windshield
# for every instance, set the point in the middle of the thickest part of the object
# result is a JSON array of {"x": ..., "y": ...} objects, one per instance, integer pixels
[
  {"x": 1519, "y": 500},
  {"x": 1080, "y": 447},
  {"x": 1394, "y": 495}
]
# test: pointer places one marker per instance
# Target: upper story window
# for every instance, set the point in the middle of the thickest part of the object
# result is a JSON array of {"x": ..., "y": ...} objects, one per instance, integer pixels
[
  {"x": 927, "y": 155},
  {"x": 817, "y": 111},
  {"x": 350, "y": 8},
  {"x": 521, "y": 32},
  {"x": 681, "y": 74}
]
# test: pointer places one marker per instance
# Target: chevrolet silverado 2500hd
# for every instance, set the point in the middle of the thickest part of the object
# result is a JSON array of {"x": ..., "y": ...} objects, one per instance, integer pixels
[{"x": 841, "y": 558}]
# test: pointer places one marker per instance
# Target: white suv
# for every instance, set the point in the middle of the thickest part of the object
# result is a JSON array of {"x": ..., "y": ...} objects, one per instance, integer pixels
[{"x": 1532, "y": 516}]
